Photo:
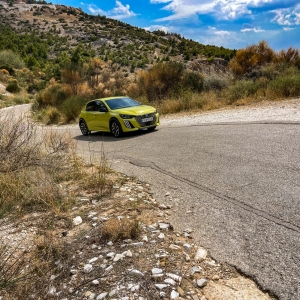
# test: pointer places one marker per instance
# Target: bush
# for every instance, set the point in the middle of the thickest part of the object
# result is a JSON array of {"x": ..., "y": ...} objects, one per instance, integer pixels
[
  {"x": 193, "y": 81},
  {"x": 51, "y": 115},
  {"x": 13, "y": 86},
  {"x": 214, "y": 83},
  {"x": 284, "y": 86},
  {"x": 20, "y": 100},
  {"x": 71, "y": 108},
  {"x": 241, "y": 89},
  {"x": 163, "y": 80},
  {"x": 11, "y": 60},
  {"x": 53, "y": 95}
]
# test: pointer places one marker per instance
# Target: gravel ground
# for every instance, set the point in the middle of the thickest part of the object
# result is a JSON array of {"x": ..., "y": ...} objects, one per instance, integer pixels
[{"x": 266, "y": 111}]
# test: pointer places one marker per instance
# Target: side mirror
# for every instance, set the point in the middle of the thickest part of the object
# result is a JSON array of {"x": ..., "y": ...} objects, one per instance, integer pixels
[{"x": 102, "y": 109}]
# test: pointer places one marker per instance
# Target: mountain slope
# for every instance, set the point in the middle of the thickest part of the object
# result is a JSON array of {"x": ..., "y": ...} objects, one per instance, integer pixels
[{"x": 61, "y": 28}]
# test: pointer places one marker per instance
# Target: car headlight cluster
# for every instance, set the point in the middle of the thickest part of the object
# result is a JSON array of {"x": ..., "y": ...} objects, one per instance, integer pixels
[{"x": 126, "y": 116}]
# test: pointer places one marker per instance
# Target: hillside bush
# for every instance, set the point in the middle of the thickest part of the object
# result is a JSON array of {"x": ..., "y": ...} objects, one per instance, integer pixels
[
  {"x": 251, "y": 57},
  {"x": 53, "y": 95},
  {"x": 71, "y": 108},
  {"x": 284, "y": 86},
  {"x": 163, "y": 80},
  {"x": 241, "y": 89},
  {"x": 214, "y": 83},
  {"x": 10, "y": 59},
  {"x": 13, "y": 86}
]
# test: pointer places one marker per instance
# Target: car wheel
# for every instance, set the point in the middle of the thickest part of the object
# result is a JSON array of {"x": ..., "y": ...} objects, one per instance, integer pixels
[
  {"x": 116, "y": 128},
  {"x": 83, "y": 128},
  {"x": 151, "y": 128}
]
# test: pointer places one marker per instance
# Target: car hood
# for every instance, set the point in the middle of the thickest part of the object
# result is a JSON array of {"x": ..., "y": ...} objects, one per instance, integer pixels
[{"x": 136, "y": 110}]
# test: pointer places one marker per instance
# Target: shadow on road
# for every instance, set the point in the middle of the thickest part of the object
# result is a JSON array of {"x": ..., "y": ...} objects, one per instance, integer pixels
[{"x": 108, "y": 137}]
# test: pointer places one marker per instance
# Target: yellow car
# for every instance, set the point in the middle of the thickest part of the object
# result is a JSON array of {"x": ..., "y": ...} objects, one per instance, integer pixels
[{"x": 117, "y": 115}]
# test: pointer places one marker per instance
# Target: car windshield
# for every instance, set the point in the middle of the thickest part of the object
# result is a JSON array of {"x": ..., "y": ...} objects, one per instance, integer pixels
[{"x": 121, "y": 103}]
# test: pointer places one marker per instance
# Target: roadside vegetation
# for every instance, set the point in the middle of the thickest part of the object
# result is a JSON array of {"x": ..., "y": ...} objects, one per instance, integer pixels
[
  {"x": 254, "y": 74},
  {"x": 41, "y": 183}
]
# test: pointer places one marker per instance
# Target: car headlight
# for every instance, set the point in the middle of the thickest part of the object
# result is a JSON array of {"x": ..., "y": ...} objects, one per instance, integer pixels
[{"x": 126, "y": 116}]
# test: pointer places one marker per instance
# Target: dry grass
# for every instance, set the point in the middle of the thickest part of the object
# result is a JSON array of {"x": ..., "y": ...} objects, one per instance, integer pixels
[
  {"x": 116, "y": 229},
  {"x": 41, "y": 173},
  {"x": 190, "y": 102}
]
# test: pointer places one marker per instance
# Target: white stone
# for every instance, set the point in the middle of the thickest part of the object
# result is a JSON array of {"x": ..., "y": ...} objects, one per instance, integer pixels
[
  {"x": 135, "y": 272},
  {"x": 110, "y": 255},
  {"x": 174, "y": 295},
  {"x": 118, "y": 257},
  {"x": 77, "y": 221},
  {"x": 101, "y": 296},
  {"x": 201, "y": 282},
  {"x": 187, "y": 247},
  {"x": 95, "y": 282},
  {"x": 93, "y": 260},
  {"x": 87, "y": 268},
  {"x": 156, "y": 271},
  {"x": 200, "y": 254},
  {"x": 109, "y": 268},
  {"x": 161, "y": 236},
  {"x": 129, "y": 253},
  {"x": 170, "y": 281},
  {"x": 161, "y": 286},
  {"x": 175, "y": 277}
]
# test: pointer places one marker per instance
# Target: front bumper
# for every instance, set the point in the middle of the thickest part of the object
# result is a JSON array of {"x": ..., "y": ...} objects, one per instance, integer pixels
[{"x": 140, "y": 122}]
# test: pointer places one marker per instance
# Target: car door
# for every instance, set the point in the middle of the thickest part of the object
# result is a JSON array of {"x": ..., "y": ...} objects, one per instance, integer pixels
[
  {"x": 101, "y": 117},
  {"x": 89, "y": 114}
]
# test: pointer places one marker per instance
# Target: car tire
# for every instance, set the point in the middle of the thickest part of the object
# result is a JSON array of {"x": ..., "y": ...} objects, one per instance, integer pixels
[
  {"x": 151, "y": 128},
  {"x": 83, "y": 128},
  {"x": 116, "y": 129}
]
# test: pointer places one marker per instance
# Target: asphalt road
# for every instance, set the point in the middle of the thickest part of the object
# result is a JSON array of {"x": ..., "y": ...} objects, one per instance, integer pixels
[{"x": 236, "y": 185}]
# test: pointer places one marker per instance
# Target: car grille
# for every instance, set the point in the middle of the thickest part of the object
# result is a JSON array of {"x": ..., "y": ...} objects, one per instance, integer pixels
[{"x": 143, "y": 124}]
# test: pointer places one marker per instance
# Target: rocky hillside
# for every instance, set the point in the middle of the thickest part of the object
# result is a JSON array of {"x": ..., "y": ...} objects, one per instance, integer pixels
[{"x": 58, "y": 28}]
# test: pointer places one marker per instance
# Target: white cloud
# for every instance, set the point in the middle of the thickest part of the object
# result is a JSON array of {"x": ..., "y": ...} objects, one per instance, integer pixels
[
  {"x": 158, "y": 27},
  {"x": 287, "y": 16},
  {"x": 288, "y": 28},
  {"x": 223, "y": 9},
  {"x": 256, "y": 30},
  {"x": 119, "y": 12}
]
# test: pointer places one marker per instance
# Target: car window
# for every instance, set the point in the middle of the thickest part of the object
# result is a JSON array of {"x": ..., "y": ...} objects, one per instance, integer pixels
[
  {"x": 100, "y": 104},
  {"x": 91, "y": 106},
  {"x": 121, "y": 103}
]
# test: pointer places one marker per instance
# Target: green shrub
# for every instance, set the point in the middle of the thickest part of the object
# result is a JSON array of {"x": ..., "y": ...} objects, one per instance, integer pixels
[
  {"x": 71, "y": 108},
  {"x": 13, "y": 86},
  {"x": 193, "y": 81},
  {"x": 20, "y": 100},
  {"x": 284, "y": 86},
  {"x": 214, "y": 83},
  {"x": 241, "y": 89}
]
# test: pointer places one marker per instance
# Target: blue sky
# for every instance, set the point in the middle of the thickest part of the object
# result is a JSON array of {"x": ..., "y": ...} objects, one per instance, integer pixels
[{"x": 232, "y": 24}]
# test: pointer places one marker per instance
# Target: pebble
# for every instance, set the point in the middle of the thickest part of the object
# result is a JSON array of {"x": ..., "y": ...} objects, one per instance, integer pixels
[
  {"x": 200, "y": 254},
  {"x": 77, "y": 221},
  {"x": 201, "y": 282}
]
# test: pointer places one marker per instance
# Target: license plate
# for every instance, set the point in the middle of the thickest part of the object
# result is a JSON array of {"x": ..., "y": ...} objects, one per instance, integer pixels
[{"x": 147, "y": 119}]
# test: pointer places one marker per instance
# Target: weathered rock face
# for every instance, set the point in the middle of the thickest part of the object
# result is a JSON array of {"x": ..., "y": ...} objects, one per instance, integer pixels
[{"x": 159, "y": 264}]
